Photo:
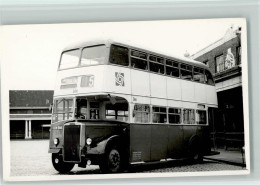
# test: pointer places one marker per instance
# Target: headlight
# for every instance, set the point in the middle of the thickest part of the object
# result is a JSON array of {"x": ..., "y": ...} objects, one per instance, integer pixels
[
  {"x": 89, "y": 141},
  {"x": 56, "y": 141}
]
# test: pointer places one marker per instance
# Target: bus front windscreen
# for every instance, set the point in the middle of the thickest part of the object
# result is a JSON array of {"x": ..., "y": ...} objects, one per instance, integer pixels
[
  {"x": 69, "y": 59},
  {"x": 94, "y": 55}
]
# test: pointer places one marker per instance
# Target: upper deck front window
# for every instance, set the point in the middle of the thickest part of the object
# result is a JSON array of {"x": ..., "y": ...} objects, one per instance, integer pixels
[
  {"x": 93, "y": 55},
  {"x": 69, "y": 59}
]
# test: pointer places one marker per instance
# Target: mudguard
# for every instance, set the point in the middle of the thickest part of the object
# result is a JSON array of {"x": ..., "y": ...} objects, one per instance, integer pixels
[{"x": 100, "y": 147}]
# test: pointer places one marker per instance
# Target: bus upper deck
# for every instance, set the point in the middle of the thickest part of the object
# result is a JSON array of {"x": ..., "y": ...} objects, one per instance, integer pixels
[{"x": 117, "y": 68}]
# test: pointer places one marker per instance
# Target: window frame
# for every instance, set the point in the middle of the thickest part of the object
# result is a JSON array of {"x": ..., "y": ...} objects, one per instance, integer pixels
[
  {"x": 138, "y": 58},
  {"x": 168, "y": 114},
  {"x": 156, "y": 63},
  {"x": 204, "y": 80},
  {"x": 216, "y": 69},
  {"x": 128, "y": 57},
  {"x": 196, "y": 117},
  {"x": 171, "y": 66},
  {"x": 80, "y": 50},
  {"x": 164, "y": 113},
  {"x": 148, "y": 116},
  {"x": 186, "y": 71}
]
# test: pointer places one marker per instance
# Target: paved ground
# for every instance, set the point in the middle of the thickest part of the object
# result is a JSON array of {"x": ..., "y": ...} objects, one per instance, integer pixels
[{"x": 31, "y": 158}]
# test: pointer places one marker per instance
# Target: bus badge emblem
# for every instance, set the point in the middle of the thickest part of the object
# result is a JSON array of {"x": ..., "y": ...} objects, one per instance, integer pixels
[{"x": 120, "y": 81}]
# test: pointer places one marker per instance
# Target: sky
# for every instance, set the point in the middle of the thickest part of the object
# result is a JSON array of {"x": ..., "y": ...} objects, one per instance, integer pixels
[{"x": 29, "y": 54}]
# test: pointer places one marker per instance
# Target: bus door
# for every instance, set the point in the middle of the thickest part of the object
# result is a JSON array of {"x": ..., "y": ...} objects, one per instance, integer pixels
[{"x": 140, "y": 134}]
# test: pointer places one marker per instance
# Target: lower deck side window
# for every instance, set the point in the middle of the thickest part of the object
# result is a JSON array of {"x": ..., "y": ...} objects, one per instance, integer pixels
[
  {"x": 188, "y": 116},
  {"x": 141, "y": 113},
  {"x": 174, "y": 115},
  {"x": 159, "y": 115},
  {"x": 201, "y": 117},
  {"x": 118, "y": 111}
]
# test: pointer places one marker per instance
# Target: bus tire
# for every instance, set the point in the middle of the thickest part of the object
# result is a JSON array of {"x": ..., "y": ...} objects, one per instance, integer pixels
[
  {"x": 112, "y": 161},
  {"x": 60, "y": 165}
]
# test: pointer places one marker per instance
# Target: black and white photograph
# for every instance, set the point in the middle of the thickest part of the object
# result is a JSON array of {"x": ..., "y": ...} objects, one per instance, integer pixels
[{"x": 125, "y": 99}]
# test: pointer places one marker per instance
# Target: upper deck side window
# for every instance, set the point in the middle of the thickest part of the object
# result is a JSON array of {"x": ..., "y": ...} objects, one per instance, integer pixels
[
  {"x": 69, "y": 59},
  {"x": 186, "y": 72},
  {"x": 156, "y": 64},
  {"x": 93, "y": 55},
  {"x": 139, "y": 60},
  {"x": 119, "y": 55},
  {"x": 172, "y": 68},
  {"x": 198, "y": 75}
]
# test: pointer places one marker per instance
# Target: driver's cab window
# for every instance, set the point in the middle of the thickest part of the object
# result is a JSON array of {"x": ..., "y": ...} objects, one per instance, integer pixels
[
  {"x": 94, "y": 110},
  {"x": 117, "y": 111},
  {"x": 82, "y": 109}
]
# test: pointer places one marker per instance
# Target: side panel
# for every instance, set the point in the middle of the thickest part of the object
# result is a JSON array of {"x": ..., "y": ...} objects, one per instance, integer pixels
[
  {"x": 175, "y": 141},
  {"x": 188, "y": 132},
  {"x": 188, "y": 93},
  {"x": 140, "y": 142},
  {"x": 158, "y": 86},
  {"x": 117, "y": 79},
  {"x": 211, "y": 95},
  {"x": 200, "y": 93},
  {"x": 140, "y": 83},
  {"x": 173, "y": 88},
  {"x": 159, "y": 141}
]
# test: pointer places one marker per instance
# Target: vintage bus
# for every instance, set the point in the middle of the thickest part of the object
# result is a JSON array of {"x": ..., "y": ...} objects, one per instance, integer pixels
[{"x": 117, "y": 104}]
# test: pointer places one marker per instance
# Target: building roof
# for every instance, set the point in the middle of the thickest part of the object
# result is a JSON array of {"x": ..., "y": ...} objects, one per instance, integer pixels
[
  {"x": 31, "y": 99},
  {"x": 230, "y": 34}
]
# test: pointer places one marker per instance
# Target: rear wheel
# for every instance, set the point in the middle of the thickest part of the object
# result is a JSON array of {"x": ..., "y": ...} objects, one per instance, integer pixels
[
  {"x": 112, "y": 161},
  {"x": 60, "y": 165}
]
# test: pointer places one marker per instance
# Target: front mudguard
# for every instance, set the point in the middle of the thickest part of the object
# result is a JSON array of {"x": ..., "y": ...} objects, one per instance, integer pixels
[{"x": 100, "y": 148}]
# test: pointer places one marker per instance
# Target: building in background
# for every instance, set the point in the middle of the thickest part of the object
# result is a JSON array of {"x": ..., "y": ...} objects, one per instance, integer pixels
[
  {"x": 30, "y": 114},
  {"x": 224, "y": 60}
]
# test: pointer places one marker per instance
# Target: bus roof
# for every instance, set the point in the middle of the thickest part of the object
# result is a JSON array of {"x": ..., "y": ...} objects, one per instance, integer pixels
[{"x": 136, "y": 46}]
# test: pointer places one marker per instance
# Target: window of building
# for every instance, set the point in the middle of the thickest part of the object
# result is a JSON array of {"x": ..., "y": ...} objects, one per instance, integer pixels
[
  {"x": 188, "y": 116},
  {"x": 69, "y": 59},
  {"x": 208, "y": 78},
  {"x": 156, "y": 64},
  {"x": 220, "y": 63},
  {"x": 201, "y": 117},
  {"x": 139, "y": 60},
  {"x": 118, "y": 111},
  {"x": 239, "y": 55},
  {"x": 198, "y": 75},
  {"x": 93, "y": 55},
  {"x": 186, "y": 72},
  {"x": 159, "y": 115},
  {"x": 172, "y": 68},
  {"x": 141, "y": 113},
  {"x": 174, "y": 115},
  {"x": 119, "y": 55}
]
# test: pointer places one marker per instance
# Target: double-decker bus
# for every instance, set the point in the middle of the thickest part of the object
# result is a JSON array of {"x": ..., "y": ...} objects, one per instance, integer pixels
[{"x": 116, "y": 104}]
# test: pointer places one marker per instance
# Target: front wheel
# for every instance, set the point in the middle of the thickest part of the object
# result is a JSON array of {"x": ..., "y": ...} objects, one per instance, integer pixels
[
  {"x": 60, "y": 165},
  {"x": 112, "y": 161}
]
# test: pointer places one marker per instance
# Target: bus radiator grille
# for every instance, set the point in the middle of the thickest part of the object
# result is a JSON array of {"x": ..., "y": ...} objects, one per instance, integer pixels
[{"x": 72, "y": 143}]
